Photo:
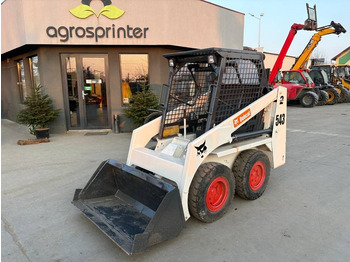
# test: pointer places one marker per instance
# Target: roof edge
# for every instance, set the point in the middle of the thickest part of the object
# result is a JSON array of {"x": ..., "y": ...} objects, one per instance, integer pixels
[
  {"x": 222, "y": 7},
  {"x": 335, "y": 58}
]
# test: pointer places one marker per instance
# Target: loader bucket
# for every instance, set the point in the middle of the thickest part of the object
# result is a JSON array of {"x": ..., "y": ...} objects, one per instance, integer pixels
[{"x": 133, "y": 208}]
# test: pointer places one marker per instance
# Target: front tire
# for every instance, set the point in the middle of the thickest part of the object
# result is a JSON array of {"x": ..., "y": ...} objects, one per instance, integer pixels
[
  {"x": 211, "y": 192},
  {"x": 333, "y": 96},
  {"x": 252, "y": 171},
  {"x": 309, "y": 99},
  {"x": 344, "y": 94}
]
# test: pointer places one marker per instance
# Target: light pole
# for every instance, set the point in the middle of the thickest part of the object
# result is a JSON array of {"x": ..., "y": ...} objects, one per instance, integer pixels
[{"x": 261, "y": 15}]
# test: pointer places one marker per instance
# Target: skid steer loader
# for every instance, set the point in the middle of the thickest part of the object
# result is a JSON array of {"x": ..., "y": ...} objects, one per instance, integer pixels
[{"x": 220, "y": 133}]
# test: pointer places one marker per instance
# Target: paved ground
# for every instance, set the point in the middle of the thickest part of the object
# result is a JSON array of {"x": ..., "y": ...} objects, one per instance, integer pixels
[{"x": 303, "y": 215}]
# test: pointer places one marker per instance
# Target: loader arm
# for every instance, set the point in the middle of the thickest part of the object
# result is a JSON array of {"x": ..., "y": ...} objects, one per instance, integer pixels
[
  {"x": 333, "y": 28},
  {"x": 279, "y": 62}
]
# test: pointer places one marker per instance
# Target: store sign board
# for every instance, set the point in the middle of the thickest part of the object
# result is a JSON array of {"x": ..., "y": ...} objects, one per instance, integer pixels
[{"x": 83, "y": 11}]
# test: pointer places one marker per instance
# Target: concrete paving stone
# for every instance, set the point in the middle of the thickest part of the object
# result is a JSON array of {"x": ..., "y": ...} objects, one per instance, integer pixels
[{"x": 302, "y": 216}]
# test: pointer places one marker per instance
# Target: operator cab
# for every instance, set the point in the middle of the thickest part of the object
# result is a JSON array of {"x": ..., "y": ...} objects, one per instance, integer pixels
[
  {"x": 297, "y": 77},
  {"x": 206, "y": 87},
  {"x": 319, "y": 77}
]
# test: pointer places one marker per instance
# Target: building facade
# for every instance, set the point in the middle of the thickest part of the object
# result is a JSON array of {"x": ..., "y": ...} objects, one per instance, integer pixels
[
  {"x": 342, "y": 58},
  {"x": 91, "y": 56}
]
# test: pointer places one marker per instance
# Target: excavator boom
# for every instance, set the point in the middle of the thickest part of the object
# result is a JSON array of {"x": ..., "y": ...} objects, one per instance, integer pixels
[{"x": 333, "y": 28}]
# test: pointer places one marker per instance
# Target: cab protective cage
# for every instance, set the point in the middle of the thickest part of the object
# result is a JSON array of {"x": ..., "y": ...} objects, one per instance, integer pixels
[{"x": 209, "y": 85}]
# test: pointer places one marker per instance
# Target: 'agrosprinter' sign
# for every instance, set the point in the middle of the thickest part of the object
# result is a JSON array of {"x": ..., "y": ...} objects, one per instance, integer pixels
[{"x": 65, "y": 33}]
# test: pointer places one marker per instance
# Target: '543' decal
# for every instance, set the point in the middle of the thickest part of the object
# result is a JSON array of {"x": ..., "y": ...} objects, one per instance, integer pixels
[{"x": 280, "y": 119}]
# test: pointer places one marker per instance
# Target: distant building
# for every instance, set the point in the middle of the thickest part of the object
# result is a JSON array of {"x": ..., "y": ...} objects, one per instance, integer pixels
[
  {"x": 317, "y": 61},
  {"x": 270, "y": 59},
  {"x": 342, "y": 58}
]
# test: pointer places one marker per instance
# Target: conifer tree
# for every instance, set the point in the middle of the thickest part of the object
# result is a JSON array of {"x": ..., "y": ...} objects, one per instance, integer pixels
[
  {"x": 140, "y": 103},
  {"x": 39, "y": 110}
]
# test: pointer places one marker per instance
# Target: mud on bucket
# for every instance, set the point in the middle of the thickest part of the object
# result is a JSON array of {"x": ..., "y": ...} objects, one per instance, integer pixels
[{"x": 135, "y": 209}]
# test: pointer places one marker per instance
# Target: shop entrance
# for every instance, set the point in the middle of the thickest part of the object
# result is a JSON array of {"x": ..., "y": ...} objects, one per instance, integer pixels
[{"x": 86, "y": 91}]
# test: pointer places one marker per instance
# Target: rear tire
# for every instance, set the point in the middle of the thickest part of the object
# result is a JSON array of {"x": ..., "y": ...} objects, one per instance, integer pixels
[
  {"x": 322, "y": 98},
  {"x": 344, "y": 94},
  {"x": 211, "y": 192},
  {"x": 309, "y": 99},
  {"x": 333, "y": 96},
  {"x": 252, "y": 172}
]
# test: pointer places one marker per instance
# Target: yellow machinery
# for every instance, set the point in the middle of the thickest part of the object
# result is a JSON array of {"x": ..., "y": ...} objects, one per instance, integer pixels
[
  {"x": 339, "y": 76},
  {"x": 335, "y": 94},
  {"x": 333, "y": 28}
]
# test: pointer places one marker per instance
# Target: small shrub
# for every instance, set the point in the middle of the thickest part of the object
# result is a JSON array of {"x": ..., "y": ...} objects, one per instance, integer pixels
[{"x": 140, "y": 103}]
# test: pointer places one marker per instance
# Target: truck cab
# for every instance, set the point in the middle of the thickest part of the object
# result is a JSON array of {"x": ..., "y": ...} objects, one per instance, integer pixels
[
  {"x": 300, "y": 77},
  {"x": 299, "y": 82}
]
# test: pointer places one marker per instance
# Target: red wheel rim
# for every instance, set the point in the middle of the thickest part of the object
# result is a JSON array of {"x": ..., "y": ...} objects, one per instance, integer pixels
[
  {"x": 257, "y": 175},
  {"x": 217, "y": 194}
]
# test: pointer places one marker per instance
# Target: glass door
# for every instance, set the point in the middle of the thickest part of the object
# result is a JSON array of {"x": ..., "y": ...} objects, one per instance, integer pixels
[
  {"x": 72, "y": 91},
  {"x": 85, "y": 88},
  {"x": 94, "y": 92}
]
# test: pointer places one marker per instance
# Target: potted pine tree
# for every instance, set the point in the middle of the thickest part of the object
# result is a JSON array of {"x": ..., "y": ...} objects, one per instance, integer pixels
[{"x": 39, "y": 112}]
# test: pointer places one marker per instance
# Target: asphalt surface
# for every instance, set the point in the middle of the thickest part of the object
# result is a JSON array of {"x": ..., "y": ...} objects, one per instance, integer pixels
[{"x": 303, "y": 215}]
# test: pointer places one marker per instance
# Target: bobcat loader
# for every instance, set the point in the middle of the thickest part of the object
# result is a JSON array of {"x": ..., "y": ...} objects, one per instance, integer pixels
[{"x": 221, "y": 131}]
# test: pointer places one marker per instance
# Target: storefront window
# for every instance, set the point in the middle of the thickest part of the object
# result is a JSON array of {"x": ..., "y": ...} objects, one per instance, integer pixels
[
  {"x": 21, "y": 80},
  {"x": 134, "y": 70},
  {"x": 34, "y": 70}
]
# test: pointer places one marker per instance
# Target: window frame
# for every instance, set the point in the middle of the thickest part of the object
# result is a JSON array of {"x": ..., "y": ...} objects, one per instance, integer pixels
[
  {"x": 21, "y": 80},
  {"x": 121, "y": 72},
  {"x": 31, "y": 71}
]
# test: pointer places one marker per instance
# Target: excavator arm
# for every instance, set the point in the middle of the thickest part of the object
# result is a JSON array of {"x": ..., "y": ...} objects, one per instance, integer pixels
[{"x": 333, "y": 28}]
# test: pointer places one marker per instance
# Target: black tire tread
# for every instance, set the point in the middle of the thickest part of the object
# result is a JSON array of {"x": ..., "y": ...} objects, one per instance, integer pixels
[
  {"x": 314, "y": 99},
  {"x": 204, "y": 174},
  {"x": 322, "y": 98},
  {"x": 344, "y": 95},
  {"x": 239, "y": 169},
  {"x": 336, "y": 96}
]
